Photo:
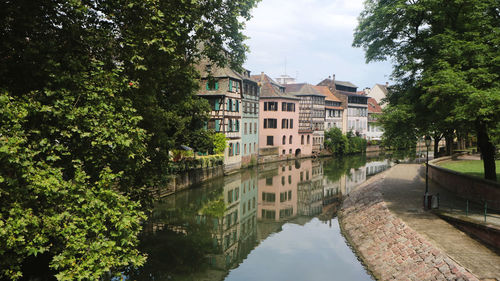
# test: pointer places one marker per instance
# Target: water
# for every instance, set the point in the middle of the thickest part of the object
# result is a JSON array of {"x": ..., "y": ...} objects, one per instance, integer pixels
[{"x": 274, "y": 222}]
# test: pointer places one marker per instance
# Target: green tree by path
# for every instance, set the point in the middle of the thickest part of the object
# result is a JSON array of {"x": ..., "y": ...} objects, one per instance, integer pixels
[
  {"x": 446, "y": 65},
  {"x": 93, "y": 95}
]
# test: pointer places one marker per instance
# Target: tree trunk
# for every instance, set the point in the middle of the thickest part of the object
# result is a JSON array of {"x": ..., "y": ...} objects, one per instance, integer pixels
[
  {"x": 487, "y": 151},
  {"x": 449, "y": 143},
  {"x": 437, "y": 138}
]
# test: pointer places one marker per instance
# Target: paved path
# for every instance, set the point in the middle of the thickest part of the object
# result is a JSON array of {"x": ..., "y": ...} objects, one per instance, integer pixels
[{"x": 397, "y": 240}]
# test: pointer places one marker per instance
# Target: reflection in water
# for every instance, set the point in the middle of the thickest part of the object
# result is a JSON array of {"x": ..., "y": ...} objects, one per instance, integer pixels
[{"x": 208, "y": 232}]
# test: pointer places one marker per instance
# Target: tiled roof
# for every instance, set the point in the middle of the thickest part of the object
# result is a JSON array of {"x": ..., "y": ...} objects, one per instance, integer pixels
[
  {"x": 217, "y": 72},
  {"x": 270, "y": 88},
  {"x": 302, "y": 89},
  {"x": 345, "y": 83},
  {"x": 373, "y": 106},
  {"x": 326, "y": 92}
]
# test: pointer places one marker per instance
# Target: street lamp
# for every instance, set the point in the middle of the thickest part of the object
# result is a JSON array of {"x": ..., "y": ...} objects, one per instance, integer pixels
[{"x": 427, "y": 144}]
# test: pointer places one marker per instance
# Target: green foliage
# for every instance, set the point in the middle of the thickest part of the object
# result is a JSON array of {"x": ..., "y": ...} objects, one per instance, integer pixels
[
  {"x": 215, "y": 208},
  {"x": 446, "y": 64},
  {"x": 219, "y": 143},
  {"x": 336, "y": 142},
  {"x": 340, "y": 144},
  {"x": 93, "y": 96},
  {"x": 53, "y": 201}
]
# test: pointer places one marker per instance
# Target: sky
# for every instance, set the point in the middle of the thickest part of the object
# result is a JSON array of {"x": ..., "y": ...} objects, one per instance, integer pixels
[{"x": 310, "y": 40}]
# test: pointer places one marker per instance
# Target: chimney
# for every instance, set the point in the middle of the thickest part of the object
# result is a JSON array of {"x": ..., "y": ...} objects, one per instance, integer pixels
[
  {"x": 386, "y": 84},
  {"x": 262, "y": 77}
]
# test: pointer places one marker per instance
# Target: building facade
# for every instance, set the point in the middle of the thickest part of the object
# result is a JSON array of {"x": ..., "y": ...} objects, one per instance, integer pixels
[
  {"x": 249, "y": 120},
  {"x": 279, "y": 136},
  {"x": 334, "y": 111},
  {"x": 374, "y": 131},
  {"x": 222, "y": 87},
  {"x": 355, "y": 103},
  {"x": 311, "y": 112}
]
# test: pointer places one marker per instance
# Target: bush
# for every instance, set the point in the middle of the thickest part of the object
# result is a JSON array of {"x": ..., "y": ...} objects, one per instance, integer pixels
[{"x": 340, "y": 144}]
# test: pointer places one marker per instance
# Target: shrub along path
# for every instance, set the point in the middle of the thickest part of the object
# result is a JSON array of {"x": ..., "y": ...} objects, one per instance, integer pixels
[{"x": 384, "y": 221}]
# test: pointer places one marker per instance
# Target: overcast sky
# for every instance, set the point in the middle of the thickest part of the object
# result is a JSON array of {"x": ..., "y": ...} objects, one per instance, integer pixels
[{"x": 314, "y": 37}]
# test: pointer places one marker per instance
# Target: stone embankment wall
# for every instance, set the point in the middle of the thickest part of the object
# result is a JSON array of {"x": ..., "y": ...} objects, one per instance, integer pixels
[
  {"x": 465, "y": 186},
  {"x": 389, "y": 248},
  {"x": 186, "y": 179}
]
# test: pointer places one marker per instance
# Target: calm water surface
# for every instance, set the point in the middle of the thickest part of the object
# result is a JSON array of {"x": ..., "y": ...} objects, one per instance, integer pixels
[{"x": 274, "y": 222}]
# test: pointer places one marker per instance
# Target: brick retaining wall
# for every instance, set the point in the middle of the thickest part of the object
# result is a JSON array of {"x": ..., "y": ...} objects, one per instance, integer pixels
[
  {"x": 465, "y": 186},
  {"x": 389, "y": 248}
]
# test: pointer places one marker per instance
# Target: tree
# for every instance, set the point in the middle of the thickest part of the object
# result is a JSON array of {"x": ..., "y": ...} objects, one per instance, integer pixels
[
  {"x": 219, "y": 143},
  {"x": 93, "y": 95},
  {"x": 445, "y": 52},
  {"x": 336, "y": 142}
]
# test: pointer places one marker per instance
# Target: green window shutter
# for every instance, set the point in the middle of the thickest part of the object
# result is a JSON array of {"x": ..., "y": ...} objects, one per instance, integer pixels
[
  {"x": 216, "y": 85},
  {"x": 237, "y": 125},
  {"x": 217, "y": 106},
  {"x": 217, "y": 125},
  {"x": 228, "y": 102},
  {"x": 207, "y": 87},
  {"x": 230, "y": 85}
]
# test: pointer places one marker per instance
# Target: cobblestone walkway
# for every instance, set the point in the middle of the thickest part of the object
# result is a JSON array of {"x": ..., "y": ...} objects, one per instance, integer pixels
[{"x": 388, "y": 246}]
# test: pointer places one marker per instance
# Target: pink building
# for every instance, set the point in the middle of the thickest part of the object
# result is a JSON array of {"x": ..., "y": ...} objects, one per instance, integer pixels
[{"x": 279, "y": 136}]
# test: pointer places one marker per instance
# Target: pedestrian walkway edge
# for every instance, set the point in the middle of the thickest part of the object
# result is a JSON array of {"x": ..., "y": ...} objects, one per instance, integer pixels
[{"x": 388, "y": 247}]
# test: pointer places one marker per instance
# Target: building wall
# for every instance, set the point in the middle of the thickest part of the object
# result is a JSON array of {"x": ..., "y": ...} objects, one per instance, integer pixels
[
  {"x": 377, "y": 93},
  {"x": 284, "y": 148},
  {"x": 312, "y": 117},
  {"x": 225, "y": 116},
  {"x": 357, "y": 119},
  {"x": 250, "y": 124}
]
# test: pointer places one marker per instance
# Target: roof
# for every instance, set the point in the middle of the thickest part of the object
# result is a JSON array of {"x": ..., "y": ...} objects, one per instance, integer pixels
[
  {"x": 270, "y": 88},
  {"x": 383, "y": 87},
  {"x": 373, "y": 106},
  {"x": 302, "y": 89},
  {"x": 345, "y": 83},
  {"x": 217, "y": 72},
  {"x": 329, "y": 81},
  {"x": 327, "y": 93}
]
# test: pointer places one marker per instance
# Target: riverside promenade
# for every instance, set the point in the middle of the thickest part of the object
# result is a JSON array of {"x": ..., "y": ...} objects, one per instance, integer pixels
[{"x": 384, "y": 221}]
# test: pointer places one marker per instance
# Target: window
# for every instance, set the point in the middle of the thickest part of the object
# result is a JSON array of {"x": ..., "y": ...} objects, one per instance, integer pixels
[
  {"x": 250, "y": 129},
  {"x": 302, "y": 139},
  {"x": 230, "y": 152},
  {"x": 237, "y": 148},
  {"x": 255, "y": 127},
  {"x": 270, "y": 123},
  {"x": 282, "y": 181},
  {"x": 308, "y": 139},
  {"x": 291, "y": 123},
  {"x": 269, "y": 181},
  {"x": 289, "y": 176},
  {"x": 245, "y": 148},
  {"x": 229, "y": 105},
  {"x": 212, "y": 85},
  {"x": 268, "y": 197},
  {"x": 290, "y": 142},
  {"x": 245, "y": 131},
  {"x": 284, "y": 141},
  {"x": 283, "y": 152},
  {"x": 270, "y": 106},
  {"x": 270, "y": 140}
]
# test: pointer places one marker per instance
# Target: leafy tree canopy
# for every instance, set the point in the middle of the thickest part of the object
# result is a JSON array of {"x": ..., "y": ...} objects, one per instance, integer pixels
[
  {"x": 446, "y": 58},
  {"x": 93, "y": 95}
]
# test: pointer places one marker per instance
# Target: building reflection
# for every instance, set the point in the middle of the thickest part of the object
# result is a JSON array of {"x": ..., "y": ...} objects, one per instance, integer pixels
[{"x": 205, "y": 232}]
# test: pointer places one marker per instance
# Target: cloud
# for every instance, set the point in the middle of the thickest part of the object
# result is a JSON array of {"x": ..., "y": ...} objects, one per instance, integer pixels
[{"x": 314, "y": 37}]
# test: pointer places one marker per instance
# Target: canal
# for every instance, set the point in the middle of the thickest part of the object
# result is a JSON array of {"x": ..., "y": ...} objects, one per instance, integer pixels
[{"x": 274, "y": 222}]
